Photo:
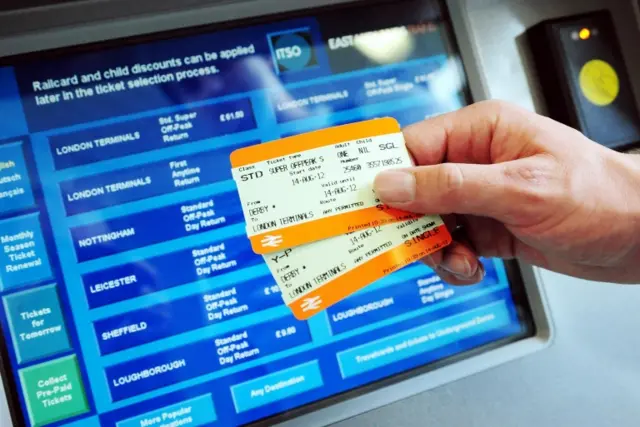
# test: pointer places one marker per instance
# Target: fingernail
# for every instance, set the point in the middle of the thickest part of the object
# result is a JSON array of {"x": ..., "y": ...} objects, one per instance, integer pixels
[
  {"x": 395, "y": 186},
  {"x": 458, "y": 265}
]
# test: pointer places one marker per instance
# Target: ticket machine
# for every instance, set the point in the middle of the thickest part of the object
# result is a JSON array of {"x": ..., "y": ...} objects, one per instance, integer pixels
[{"x": 130, "y": 293}]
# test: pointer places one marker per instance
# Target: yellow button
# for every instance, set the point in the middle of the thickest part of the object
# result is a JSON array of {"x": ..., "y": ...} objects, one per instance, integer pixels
[{"x": 599, "y": 82}]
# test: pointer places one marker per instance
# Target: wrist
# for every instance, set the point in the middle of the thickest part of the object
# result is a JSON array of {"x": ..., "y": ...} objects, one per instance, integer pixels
[
  {"x": 634, "y": 159},
  {"x": 628, "y": 166}
]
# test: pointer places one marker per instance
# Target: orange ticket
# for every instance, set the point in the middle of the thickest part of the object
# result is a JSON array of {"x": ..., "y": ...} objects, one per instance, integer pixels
[
  {"x": 313, "y": 277},
  {"x": 313, "y": 186}
]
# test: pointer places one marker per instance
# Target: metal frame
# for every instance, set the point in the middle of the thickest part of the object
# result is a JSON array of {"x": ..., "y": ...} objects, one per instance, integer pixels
[{"x": 397, "y": 388}]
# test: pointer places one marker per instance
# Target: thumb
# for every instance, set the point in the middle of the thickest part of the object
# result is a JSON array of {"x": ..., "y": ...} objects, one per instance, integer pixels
[{"x": 509, "y": 192}]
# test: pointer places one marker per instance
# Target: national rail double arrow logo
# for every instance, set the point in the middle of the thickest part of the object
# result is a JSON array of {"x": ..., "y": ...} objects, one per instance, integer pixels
[
  {"x": 311, "y": 304},
  {"x": 270, "y": 241}
]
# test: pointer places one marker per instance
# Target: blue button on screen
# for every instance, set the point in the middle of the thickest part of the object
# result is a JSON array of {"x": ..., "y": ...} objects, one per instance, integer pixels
[
  {"x": 420, "y": 340},
  {"x": 276, "y": 386},
  {"x": 190, "y": 413}
]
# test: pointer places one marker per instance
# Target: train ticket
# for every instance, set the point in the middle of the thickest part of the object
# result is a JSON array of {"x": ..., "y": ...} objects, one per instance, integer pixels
[
  {"x": 315, "y": 276},
  {"x": 317, "y": 185}
]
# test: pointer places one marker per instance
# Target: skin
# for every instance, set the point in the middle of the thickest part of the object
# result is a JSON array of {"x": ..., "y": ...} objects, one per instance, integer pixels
[{"x": 521, "y": 186}]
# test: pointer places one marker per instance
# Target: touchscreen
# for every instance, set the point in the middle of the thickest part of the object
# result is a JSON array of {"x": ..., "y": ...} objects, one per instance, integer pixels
[{"x": 130, "y": 293}]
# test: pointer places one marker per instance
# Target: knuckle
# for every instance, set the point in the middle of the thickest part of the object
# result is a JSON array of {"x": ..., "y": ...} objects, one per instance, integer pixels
[
  {"x": 533, "y": 182},
  {"x": 450, "y": 178},
  {"x": 439, "y": 186},
  {"x": 524, "y": 174},
  {"x": 495, "y": 105}
]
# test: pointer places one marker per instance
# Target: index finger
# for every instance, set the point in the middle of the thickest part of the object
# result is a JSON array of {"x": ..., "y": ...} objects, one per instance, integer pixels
[{"x": 462, "y": 136}]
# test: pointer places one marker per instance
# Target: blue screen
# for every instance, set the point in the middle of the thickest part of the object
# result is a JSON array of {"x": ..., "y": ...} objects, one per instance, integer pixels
[{"x": 130, "y": 294}]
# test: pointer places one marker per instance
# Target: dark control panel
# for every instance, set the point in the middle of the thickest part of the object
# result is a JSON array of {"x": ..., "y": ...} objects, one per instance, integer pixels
[{"x": 584, "y": 78}]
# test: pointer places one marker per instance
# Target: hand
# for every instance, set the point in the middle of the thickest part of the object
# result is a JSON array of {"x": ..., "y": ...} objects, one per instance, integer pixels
[{"x": 522, "y": 186}]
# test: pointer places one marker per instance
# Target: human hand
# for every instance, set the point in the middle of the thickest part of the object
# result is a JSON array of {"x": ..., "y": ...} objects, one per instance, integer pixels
[{"x": 521, "y": 186}]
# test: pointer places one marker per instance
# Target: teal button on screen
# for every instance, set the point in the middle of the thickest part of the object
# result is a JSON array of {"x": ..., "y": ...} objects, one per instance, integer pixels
[
  {"x": 277, "y": 386},
  {"x": 23, "y": 256},
  {"x": 386, "y": 351},
  {"x": 15, "y": 185},
  {"x": 36, "y": 322}
]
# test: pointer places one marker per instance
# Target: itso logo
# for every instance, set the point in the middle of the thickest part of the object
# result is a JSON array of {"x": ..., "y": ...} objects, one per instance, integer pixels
[
  {"x": 293, "y": 51},
  {"x": 289, "y": 52}
]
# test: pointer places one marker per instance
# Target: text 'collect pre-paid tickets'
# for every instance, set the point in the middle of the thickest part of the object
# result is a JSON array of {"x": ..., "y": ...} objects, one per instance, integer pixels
[{"x": 311, "y": 211}]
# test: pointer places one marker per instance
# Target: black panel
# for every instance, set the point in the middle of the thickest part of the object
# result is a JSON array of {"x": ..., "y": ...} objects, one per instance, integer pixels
[{"x": 560, "y": 54}]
